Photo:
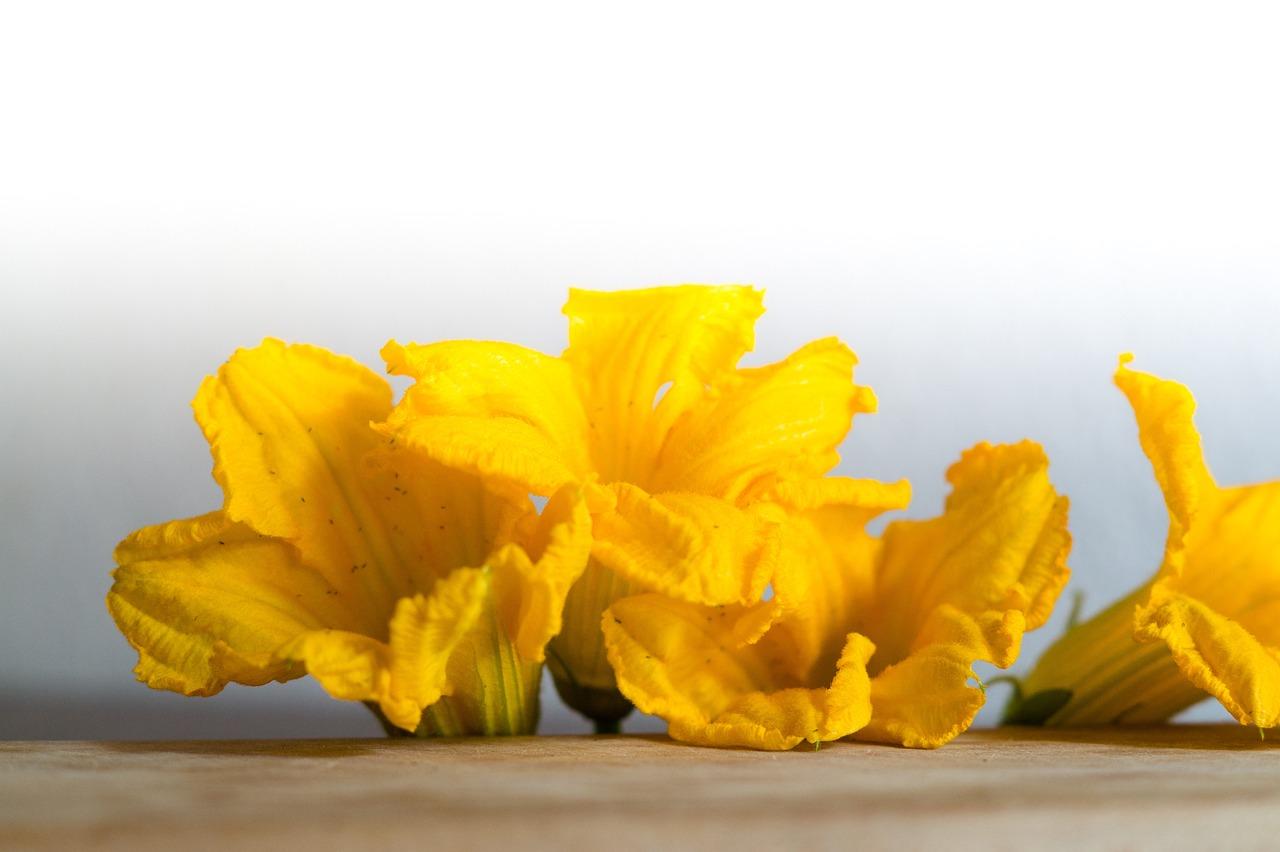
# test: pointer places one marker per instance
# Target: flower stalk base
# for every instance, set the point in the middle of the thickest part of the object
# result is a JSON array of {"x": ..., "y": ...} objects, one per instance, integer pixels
[
  {"x": 576, "y": 657},
  {"x": 1099, "y": 674}
]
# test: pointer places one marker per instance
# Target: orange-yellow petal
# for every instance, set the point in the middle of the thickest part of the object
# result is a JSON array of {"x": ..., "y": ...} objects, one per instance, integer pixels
[
  {"x": 424, "y": 633},
  {"x": 350, "y": 666},
  {"x": 681, "y": 661}
]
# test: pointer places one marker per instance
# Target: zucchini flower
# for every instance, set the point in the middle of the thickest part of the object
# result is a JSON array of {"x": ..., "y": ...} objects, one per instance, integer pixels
[
  {"x": 388, "y": 578},
  {"x": 1206, "y": 622},
  {"x": 672, "y": 444},
  {"x": 876, "y": 638}
]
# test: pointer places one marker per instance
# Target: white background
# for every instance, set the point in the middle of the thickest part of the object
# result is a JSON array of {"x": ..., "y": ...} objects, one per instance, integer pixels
[{"x": 988, "y": 201}]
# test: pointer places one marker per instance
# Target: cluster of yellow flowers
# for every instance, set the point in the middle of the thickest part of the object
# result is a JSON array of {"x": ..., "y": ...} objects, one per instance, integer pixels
[{"x": 661, "y": 528}]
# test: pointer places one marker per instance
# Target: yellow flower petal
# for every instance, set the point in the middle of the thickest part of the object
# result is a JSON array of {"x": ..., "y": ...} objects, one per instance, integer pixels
[
  {"x": 1000, "y": 545},
  {"x": 924, "y": 701},
  {"x": 1215, "y": 601},
  {"x": 329, "y": 538},
  {"x": 350, "y": 666},
  {"x": 424, "y": 633},
  {"x": 494, "y": 409},
  {"x": 690, "y": 546},
  {"x": 963, "y": 587},
  {"x": 408, "y": 674},
  {"x": 289, "y": 431},
  {"x": 671, "y": 443},
  {"x": 762, "y": 425},
  {"x": 206, "y": 601},
  {"x": 1218, "y": 655},
  {"x": 1217, "y": 610},
  {"x": 826, "y": 573},
  {"x": 1164, "y": 411},
  {"x": 628, "y": 348},
  {"x": 680, "y": 661},
  {"x": 533, "y": 580},
  {"x": 1217, "y": 593}
]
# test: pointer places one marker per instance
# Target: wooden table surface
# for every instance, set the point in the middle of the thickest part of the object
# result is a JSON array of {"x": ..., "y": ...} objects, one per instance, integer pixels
[{"x": 1184, "y": 787}]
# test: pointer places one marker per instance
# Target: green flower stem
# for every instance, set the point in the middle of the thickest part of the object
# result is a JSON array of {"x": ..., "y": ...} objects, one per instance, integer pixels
[
  {"x": 608, "y": 726},
  {"x": 1098, "y": 674}
]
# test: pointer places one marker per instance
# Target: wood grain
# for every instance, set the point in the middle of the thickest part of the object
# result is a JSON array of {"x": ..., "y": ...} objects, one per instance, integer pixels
[{"x": 1184, "y": 787}]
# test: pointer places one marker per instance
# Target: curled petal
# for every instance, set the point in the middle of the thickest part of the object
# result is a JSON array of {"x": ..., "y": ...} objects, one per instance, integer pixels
[
  {"x": 498, "y": 410},
  {"x": 288, "y": 426},
  {"x": 533, "y": 581},
  {"x": 761, "y": 425},
  {"x": 1215, "y": 599},
  {"x": 1000, "y": 545},
  {"x": 964, "y": 587},
  {"x": 1164, "y": 411},
  {"x": 1219, "y": 612},
  {"x": 825, "y": 581},
  {"x": 350, "y": 666},
  {"x": 207, "y": 601},
  {"x": 1217, "y": 654},
  {"x": 642, "y": 358},
  {"x": 924, "y": 701},
  {"x": 689, "y": 546},
  {"x": 409, "y": 673},
  {"x": 680, "y": 661}
]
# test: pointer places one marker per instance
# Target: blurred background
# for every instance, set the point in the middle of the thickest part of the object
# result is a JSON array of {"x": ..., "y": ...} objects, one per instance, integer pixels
[{"x": 988, "y": 201}]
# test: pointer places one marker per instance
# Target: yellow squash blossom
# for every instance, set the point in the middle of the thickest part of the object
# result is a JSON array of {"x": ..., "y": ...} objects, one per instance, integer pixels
[
  {"x": 673, "y": 444},
  {"x": 388, "y": 578},
  {"x": 878, "y": 636},
  {"x": 1209, "y": 621}
]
